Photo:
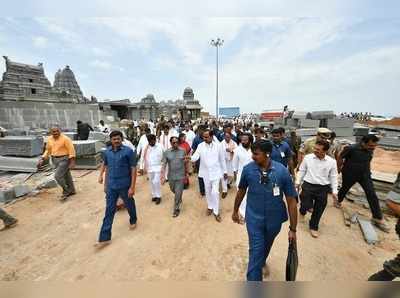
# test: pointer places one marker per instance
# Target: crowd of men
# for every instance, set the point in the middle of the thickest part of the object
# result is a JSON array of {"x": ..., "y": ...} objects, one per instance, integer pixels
[{"x": 266, "y": 166}]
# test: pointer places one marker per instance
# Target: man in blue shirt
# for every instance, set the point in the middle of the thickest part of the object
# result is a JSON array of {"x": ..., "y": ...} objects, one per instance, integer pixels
[
  {"x": 281, "y": 151},
  {"x": 265, "y": 182},
  {"x": 196, "y": 142},
  {"x": 119, "y": 166}
]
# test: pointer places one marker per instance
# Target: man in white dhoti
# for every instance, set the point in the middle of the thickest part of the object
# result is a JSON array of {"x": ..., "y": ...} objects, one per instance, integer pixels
[
  {"x": 152, "y": 156},
  {"x": 241, "y": 157},
  {"x": 228, "y": 146},
  {"x": 212, "y": 169}
]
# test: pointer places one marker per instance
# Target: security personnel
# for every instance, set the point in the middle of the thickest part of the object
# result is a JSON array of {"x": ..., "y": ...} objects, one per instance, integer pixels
[
  {"x": 281, "y": 151},
  {"x": 354, "y": 163},
  {"x": 308, "y": 145},
  {"x": 265, "y": 182}
]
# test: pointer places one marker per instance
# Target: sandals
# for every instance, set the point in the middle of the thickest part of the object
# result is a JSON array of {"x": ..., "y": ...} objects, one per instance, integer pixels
[{"x": 381, "y": 225}]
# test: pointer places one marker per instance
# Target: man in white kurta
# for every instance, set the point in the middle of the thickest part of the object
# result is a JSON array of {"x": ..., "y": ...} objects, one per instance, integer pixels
[
  {"x": 242, "y": 156},
  {"x": 190, "y": 135},
  {"x": 165, "y": 140},
  {"x": 228, "y": 146},
  {"x": 153, "y": 155},
  {"x": 212, "y": 169}
]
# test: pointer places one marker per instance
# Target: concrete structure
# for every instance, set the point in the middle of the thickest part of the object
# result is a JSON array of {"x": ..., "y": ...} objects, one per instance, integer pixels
[
  {"x": 148, "y": 108},
  {"x": 89, "y": 147},
  {"x": 90, "y": 162},
  {"x": 19, "y": 164},
  {"x": 34, "y": 115},
  {"x": 25, "y": 146},
  {"x": 65, "y": 83}
]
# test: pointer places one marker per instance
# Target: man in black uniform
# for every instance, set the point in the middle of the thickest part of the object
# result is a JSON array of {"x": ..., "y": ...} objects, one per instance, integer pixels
[
  {"x": 83, "y": 130},
  {"x": 354, "y": 163}
]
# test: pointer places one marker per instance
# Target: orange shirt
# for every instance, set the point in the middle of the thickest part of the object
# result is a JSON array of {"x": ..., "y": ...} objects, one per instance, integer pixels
[{"x": 59, "y": 147}]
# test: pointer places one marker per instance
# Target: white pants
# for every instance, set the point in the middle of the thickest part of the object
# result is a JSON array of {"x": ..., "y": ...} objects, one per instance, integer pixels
[
  {"x": 225, "y": 182},
  {"x": 155, "y": 184},
  {"x": 242, "y": 207},
  {"x": 212, "y": 194}
]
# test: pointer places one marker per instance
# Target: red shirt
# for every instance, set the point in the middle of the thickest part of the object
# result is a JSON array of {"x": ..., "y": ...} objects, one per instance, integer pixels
[{"x": 185, "y": 146}]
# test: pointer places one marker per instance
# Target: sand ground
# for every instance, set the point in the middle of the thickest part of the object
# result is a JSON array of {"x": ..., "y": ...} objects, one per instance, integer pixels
[{"x": 54, "y": 241}]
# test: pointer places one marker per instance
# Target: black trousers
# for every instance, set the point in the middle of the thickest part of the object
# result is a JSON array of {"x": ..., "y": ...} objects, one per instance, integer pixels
[
  {"x": 314, "y": 196},
  {"x": 350, "y": 178}
]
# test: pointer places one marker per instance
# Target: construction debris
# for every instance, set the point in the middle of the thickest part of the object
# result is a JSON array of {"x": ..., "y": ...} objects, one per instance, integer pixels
[{"x": 370, "y": 235}]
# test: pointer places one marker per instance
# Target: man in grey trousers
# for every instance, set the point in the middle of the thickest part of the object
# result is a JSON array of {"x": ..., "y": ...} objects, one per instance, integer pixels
[{"x": 177, "y": 162}]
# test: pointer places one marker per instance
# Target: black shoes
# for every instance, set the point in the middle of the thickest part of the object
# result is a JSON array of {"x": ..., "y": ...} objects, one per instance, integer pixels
[{"x": 158, "y": 201}]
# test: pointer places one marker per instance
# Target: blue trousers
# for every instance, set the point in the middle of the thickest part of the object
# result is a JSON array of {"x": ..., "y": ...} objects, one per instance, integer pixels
[
  {"x": 261, "y": 239},
  {"x": 112, "y": 196}
]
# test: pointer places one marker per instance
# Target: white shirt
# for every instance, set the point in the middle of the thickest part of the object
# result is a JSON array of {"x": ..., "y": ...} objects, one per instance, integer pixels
[
  {"x": 241, "y": 158},
  {"x": 231, "y": 145},
  {"x": 104, "y": 128},
  {"x": 165, "y": 140},
  {"x": 128, "y": 143},
  {"x": 153, "y": 158},
  {"x": 319, "y": 171},
  {"x": 212, "y": 160},
  {"x": 190, "y": 135},
  {"x": 142, "y": 143}
]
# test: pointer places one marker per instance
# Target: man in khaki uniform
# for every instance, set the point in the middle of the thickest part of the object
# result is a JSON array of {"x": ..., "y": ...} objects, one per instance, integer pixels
[{"x": 308, "y": 146}]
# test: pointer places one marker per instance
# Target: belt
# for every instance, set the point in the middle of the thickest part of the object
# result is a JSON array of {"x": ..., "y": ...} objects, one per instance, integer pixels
[
  {"x": 60, "y": 156},
  {"x": 317, "y": 185}
]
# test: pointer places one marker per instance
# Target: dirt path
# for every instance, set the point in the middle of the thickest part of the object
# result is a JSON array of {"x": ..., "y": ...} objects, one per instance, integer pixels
[{"x": 54, "y": 241}]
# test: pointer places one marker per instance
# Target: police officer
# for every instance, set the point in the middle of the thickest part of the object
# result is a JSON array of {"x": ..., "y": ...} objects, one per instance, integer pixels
[{"x": 265, "y": 182}]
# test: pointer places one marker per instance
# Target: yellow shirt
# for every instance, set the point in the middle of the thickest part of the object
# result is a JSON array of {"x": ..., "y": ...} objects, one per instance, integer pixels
[
  {"x": 308, "y": 146},
  {"x": 59, "y": 147}
]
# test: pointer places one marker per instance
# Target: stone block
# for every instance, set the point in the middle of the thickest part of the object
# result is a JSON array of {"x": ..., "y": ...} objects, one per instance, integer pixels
[
  {"x": 361, "y": 131},
  {"x": 308, "y": 123},
  {"x": 48, "y": 182},
  {"x": 306, "y": 132},
  {"x": 71, "y": 135},
  {"x": 343, "y": 131},
  {"x": 26, "y": 146},
  {"x": 339, "y": 123},
  {"x": 99, "y": 136},
  {"x": 319, "y": 115},
  {"x": 88, "y": 147},
  {"x": 301, "y": 115},
  {"x": 19, "y": 164},
  {"x": 21, "y": 190},
  {"x": 7, "y": 195},
  {"x": 292, "y": 122},
  {"x": 370, "y": 235},
  {"x": 91, "y": 162}
]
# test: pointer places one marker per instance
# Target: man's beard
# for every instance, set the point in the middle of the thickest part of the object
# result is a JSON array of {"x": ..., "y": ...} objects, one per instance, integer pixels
[{"x": 246, "y": 145}]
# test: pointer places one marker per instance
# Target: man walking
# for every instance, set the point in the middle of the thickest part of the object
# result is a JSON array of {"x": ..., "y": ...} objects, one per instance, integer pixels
[
  {"x": 120, "y": 172},
  {"x": 190, "y": 135},
  {"x": 228, "y": 146},
  {"x": 178, "y": 172},
  {"x": 265, "y": 182},
  {"x": 62, "y": 152},
  {"x": 8, "y": 220},
  {"x": 83, "y": 130},
  {"x": 308, "y": 146},
  {"x": 354, "y": 163},
  {"x": 152, "y": 156},
  {"x": 281, "y": 151},
  {"x": 212, "y": 169},
  {"x": 317, "y": 177},
  {"x": 242, "y": 157}
]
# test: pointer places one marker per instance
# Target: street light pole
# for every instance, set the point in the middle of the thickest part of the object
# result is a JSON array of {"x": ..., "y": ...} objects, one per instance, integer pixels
[{"x": 217, "y": 43}]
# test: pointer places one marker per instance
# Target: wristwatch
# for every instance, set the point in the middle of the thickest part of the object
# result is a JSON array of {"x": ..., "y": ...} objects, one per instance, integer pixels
[{"x": 293, "y": 230}]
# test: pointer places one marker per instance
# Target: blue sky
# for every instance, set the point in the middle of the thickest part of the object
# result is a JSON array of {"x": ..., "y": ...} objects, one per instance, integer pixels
[{"x": 348, "y": 63}]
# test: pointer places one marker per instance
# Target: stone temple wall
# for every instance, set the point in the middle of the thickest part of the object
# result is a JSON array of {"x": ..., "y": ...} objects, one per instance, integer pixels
[{"x": 35, "y": 115}]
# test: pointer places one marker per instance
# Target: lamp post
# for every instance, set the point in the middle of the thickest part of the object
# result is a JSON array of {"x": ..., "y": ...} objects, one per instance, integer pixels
[{"x": 217, "y": 43}]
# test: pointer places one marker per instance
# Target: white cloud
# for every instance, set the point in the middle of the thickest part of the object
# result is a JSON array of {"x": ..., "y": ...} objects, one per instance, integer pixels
[
  {"x": 99, "y": 52},
  {"x": 104, "y": 65},
  {"x": 40, "y": 42}
]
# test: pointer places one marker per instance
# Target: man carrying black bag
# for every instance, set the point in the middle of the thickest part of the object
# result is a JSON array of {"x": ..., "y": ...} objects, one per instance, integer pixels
[
  {"x": 292, "y": 262},
  {"x": 265, "y": 182}
]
